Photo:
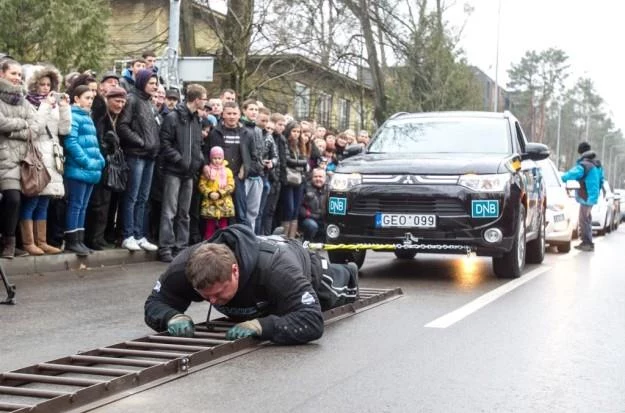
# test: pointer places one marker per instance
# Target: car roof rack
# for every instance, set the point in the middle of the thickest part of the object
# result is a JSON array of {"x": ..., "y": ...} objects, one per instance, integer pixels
[{"x": 398, "y": 114}]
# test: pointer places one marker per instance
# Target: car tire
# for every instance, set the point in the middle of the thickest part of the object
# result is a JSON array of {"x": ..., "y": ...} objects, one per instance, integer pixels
[
  {"x": 564, "y": 247},
  {"x": 536, "y": 248},
  {"x": 404, "y": 254},
  {"x": 343, "y": 257},
  {"x": 510, "y": 264}
]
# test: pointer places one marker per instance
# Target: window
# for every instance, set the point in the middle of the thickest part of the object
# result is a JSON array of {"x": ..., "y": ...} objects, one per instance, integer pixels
[
  {"x": 441, "y": 135},
  {"x": 324, "y": 108},
  {"x": 344, "y": 110},
  {"x": 302, "y": 101}
]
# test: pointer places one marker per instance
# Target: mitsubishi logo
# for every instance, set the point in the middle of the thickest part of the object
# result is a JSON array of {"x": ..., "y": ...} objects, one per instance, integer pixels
[{"x": 409, "y": 180}]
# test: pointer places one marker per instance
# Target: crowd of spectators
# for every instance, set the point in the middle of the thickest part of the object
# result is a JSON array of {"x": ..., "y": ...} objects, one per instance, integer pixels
[{"x": 132, "y": 164}]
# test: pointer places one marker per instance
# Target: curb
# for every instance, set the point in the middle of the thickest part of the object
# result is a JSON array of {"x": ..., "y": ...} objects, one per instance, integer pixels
[{"x": 70, "y": 261}]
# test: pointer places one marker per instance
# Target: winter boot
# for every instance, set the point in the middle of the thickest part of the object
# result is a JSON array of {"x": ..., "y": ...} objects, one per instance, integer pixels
[
  {"x": 72, "y": 244},
  {"x": 41, "y": 230},
  {"x": 8, "y": 247},
  {"x": 81, "y": 240},
  {"x": 28, "y": 238}
]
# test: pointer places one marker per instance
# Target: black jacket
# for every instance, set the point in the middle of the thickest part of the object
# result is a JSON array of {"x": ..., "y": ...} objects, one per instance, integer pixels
[
  {"x": 270, "y": 152},
  {"x": 256, "y": 168},
  {"x": 137, "y": 127},
  {"x": 281, "y": 147},
  {"x": 275, "y": 289},
  {"x": 181, "y": 143},
  {"x": 295, "y": 161},
  {"x": 314, "y": 203},
  {"x": 107, "y": 135},
  {"x": 237, "y": 144}
]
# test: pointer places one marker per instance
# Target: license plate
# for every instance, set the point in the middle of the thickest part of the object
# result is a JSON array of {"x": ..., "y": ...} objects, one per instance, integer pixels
[
  {"x": 558, "y": 218},
  {"x": 405, "y": 220}
]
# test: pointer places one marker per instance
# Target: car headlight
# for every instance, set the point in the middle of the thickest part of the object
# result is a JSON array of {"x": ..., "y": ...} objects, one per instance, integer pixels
[
  {"x": 344, "y": 182},
  {"x": 485, "y": 183}
]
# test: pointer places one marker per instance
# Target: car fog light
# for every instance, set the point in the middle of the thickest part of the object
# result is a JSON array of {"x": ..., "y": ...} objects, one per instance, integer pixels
[
  {"x": 493, "y": 235},
  {"x": 333, "y": 231}
]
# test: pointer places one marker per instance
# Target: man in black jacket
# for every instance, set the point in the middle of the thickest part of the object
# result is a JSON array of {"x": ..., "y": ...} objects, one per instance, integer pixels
[
  {"x": 138, "y": 132},
  {"x": 273, "y": 286},
  {"x": 100, "y": 200},
  {"x": 313, "y": 207},
  {"x": 181, "y": 160},
  {"x": 239, "y": 151}
]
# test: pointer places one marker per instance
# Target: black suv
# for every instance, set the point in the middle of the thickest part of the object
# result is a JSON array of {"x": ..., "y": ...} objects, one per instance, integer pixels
[{"x": 446, "y": 182}]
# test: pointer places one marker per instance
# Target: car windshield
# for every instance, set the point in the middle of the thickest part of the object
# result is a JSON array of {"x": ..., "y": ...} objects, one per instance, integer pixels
[
  {"x": 435, "y": 135},
  {"x": 550, "y": 175}
]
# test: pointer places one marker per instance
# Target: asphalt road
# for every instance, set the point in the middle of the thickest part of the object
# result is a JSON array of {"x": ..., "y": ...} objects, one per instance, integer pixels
[{"x": 460, "y": 340}]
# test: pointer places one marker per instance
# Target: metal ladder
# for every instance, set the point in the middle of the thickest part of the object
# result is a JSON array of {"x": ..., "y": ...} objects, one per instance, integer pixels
[{"x": 90, "y": 379}]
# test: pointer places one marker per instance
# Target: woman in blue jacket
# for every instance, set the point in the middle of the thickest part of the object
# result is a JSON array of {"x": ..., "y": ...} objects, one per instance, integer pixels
[{"x": 83, "y": 167}]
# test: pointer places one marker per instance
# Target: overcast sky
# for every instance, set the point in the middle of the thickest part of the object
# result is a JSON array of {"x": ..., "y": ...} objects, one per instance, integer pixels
[{"x": 590, "y": 32}]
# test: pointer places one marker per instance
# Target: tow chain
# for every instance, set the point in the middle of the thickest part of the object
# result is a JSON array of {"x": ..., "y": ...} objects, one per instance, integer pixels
[{"x": 387, "y": 247}]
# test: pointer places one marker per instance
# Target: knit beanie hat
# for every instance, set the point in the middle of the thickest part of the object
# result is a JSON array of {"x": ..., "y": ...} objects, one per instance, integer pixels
[
  {"x": 583, "y": 147},
  {"x": 142, "y": 77},
  {"x": 216, "y": 151}
]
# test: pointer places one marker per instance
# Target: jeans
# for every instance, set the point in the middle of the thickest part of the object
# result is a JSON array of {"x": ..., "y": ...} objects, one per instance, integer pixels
[
  {"x": 136, "y": 195},
  {"x": 175, "y": 212},
  {"x": 585, "y": 223},
  {"x": 291, "y": 197},
  {"x": 35, "y": 208},
  {"x": 240, "y": 202},
  {"x": 253, "y": 194},
  {"x": 311, "y": 229},
  {"x": 77, "y": 200},
  {"x": 258, "y": 227}
]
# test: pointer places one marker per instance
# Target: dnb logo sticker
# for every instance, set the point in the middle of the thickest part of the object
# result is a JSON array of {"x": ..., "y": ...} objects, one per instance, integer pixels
[
  {"x": 485, "y": 209},
  {"x": 337, "y": 205}
]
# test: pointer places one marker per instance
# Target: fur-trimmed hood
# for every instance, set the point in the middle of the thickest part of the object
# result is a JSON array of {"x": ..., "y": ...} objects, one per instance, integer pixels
[{"x": 41, "y": 72}]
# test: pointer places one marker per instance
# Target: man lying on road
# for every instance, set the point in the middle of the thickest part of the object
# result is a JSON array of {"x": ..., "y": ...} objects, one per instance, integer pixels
[{"x": 275, "y": 287}]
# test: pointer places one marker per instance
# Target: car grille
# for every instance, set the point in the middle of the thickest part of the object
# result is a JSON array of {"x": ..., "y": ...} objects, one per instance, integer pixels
[{"x": 408, "y": 205}]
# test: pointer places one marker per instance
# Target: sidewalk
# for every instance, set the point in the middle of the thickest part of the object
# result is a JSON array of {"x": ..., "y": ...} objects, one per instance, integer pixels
[{"x": 70, "y": 261}]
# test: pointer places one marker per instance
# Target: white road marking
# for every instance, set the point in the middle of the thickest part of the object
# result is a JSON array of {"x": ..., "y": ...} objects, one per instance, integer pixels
[{"x": 450, "y": 319}]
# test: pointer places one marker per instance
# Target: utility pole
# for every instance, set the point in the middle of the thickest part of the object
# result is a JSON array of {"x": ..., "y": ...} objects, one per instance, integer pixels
[
  {"x": 558, "y": 136},
  {"x": 588, "y": 127},
  {"x": 496, "y": 104},
  {"x": 170, "y": 57}
]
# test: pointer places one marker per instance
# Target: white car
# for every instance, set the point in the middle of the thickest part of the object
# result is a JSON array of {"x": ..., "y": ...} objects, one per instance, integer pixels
[
  {"x": 562, "y": 210},
  {"x": 604, "y": 212}
]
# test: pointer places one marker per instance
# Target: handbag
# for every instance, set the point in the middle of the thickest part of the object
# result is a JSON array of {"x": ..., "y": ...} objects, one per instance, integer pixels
[
  {"x": 115, "y": 173},
  {"x": 59, "y": 159},
  {"x": 293, "y": 176},
  {"x": 34, "y": 175}
]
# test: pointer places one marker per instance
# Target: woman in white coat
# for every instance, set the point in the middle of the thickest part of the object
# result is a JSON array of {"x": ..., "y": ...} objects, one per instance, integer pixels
[
  {"x": 54, "y": 110},
  {"x": 18, "y": 122}
]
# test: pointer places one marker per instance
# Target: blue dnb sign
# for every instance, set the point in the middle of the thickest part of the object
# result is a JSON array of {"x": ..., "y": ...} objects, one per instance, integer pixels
[
  {"x": 337, "y": 206},
  {"x": 484, "y": 209}
]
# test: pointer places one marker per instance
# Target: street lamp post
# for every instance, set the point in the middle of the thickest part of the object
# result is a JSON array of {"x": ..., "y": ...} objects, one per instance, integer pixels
[
  {"x": 615, "y": 169},
  {"x": 496, "y": 104},
  {"x": 558, "y": 137},
  {"x": 603, "y": 147},
  {"x": 612, "y": 156}
]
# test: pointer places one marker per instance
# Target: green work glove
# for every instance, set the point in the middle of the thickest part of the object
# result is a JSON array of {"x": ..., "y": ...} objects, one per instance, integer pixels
[
  {"x": 180, "y": 325},
  {"x": 249, "y": 328}
]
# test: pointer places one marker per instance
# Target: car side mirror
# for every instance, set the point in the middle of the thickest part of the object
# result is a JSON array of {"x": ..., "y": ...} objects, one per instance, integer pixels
[
  {"x": 536, "y": 151},
  {"x": 353, "y": 150},
  {"x": 572, "y": 185}
]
